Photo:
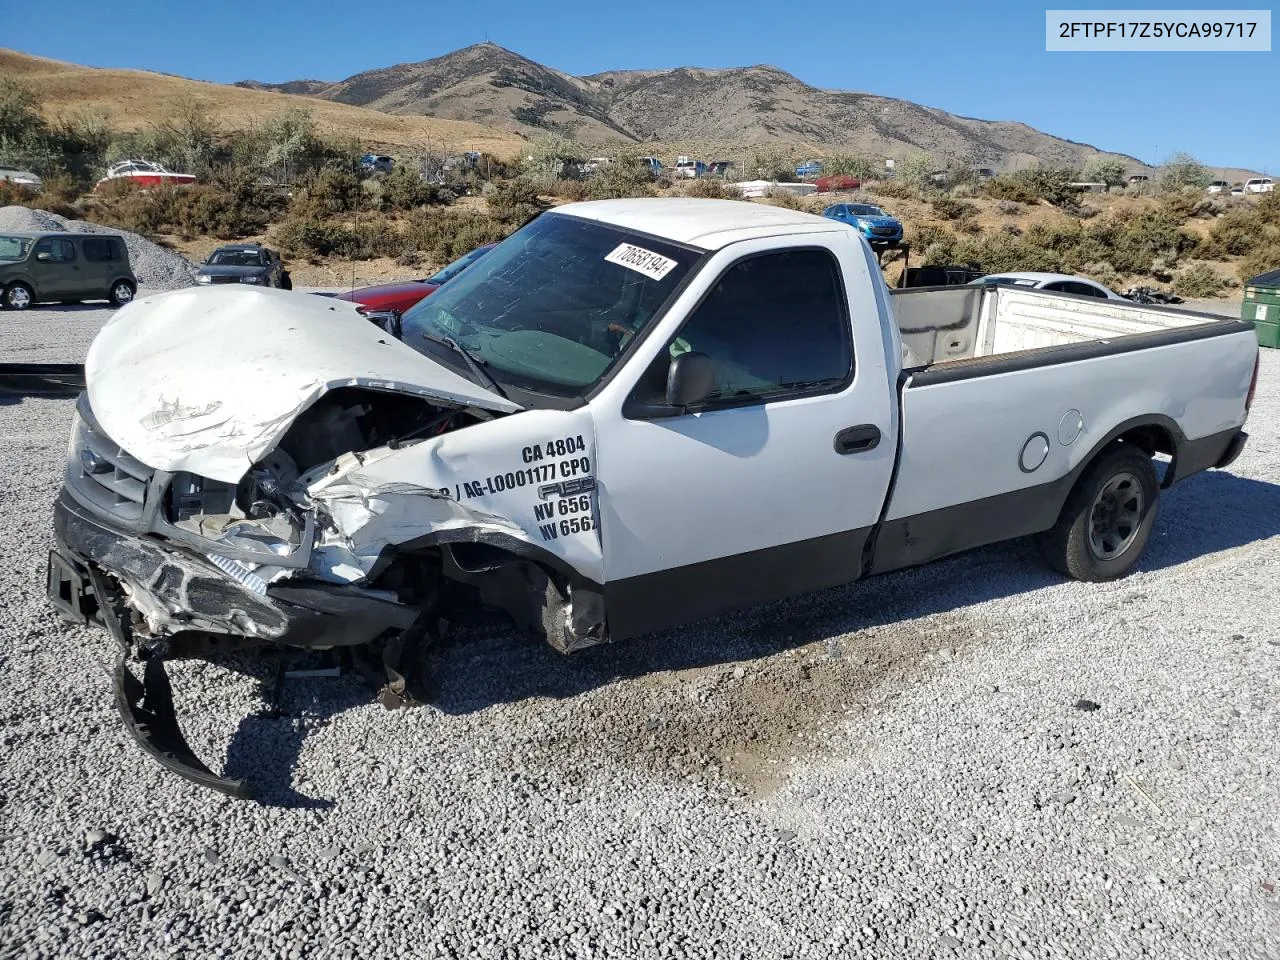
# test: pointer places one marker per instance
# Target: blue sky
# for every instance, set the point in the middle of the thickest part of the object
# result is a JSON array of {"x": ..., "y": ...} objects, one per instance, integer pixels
[{"x": 980, "y": 60}]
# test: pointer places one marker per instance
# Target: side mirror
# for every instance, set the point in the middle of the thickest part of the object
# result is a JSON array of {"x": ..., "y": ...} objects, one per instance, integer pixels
[
  {"x": 44, "y": 257},
  {"x": 388, "y": 320},
  {"x": 690, "y": 380}
]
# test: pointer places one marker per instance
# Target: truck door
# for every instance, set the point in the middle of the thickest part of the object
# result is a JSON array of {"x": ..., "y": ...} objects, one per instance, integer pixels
[
  {"x": 56, "y": 269},
  {"x": 772, "y": 485}
]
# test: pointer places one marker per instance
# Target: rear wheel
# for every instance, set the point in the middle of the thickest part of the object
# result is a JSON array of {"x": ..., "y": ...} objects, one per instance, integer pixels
[
  {"x": 121, "y": 293},
  {"x": 18, "y": 296},
  {"x": 1107, "y": 520},
  {"x": 286, "y": 282}
]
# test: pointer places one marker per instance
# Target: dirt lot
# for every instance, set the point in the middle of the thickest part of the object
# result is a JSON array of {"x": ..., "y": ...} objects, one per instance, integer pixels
[{"x": 970, "y": 759}]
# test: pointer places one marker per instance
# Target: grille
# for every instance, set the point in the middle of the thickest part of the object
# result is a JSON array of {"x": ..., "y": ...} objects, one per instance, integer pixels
[
  {"x": 884, "y": 231},
  {"x": 216, "y": 279},
  {"x": 103, "y": 474}
]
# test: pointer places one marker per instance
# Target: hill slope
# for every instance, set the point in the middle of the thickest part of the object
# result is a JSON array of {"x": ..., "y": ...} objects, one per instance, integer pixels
[
  {"x": 488, "y": 84},
  {"x": 134, "y": 98}
]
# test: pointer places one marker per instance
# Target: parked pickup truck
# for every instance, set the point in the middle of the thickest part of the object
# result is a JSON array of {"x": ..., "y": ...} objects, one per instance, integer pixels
[{"x": 629, "y": 415}]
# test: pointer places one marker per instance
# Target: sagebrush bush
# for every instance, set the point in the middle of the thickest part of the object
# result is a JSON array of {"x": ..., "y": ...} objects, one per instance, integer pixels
[
  {"x": 948, "y": 208},
  {"x": 1263, "y": 259},
  {"x": 326, "y": 194},
  {"x": 625, "y": 177},
  {"x": 712, "y": 189},
  {"x": 1052, "y": 184},
  {"x": 445, "y": 235},
  {"x": 571, "y": 190},
  {"x": 897, "y": 190},
  {"x": 513, "y": 201},
  {"x": 1199, "y": 281},
  {"x": 404, "y": 189},
  {"x": 784, "y": 198},
  {"x": 312, "y": 239},
  {"x": 1006, "y": 187},
  {"x": 1010, "y": 208}
]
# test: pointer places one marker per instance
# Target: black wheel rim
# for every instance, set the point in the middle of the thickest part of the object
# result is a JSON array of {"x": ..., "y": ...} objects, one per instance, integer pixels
[{"x": 1116, "y": 516}]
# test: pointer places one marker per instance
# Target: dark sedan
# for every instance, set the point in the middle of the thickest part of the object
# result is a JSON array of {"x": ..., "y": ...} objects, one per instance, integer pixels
[{"x": 244, "y": 263}]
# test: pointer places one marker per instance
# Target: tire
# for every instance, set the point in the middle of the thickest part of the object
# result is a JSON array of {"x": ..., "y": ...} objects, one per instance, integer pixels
[
  {"x": 286, "y": 282},
  {"x": 1107, "y": 520},
  {"x": 19, "y": 296},
  {"x": 122, "y": 292}
]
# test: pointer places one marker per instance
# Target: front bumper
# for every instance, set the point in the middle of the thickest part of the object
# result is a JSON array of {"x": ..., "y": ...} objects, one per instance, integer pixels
[
  {"x": 101, "y": 575},
  {"x": 199, "y": 596}
]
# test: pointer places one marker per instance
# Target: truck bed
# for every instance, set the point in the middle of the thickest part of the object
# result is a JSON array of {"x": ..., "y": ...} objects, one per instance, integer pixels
[
  {"x": 948, "y": 324},
  {"x": 1007, "y": 394}
]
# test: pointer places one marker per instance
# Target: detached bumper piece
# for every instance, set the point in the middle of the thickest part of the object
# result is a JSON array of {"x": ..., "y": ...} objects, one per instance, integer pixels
[
  {"x": 146, "y": 706},
  {"x": 93, "y": 559}
]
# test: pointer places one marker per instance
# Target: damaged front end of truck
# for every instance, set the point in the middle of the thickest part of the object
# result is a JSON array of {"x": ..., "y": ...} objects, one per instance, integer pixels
[{"x": 310, "y": 484}]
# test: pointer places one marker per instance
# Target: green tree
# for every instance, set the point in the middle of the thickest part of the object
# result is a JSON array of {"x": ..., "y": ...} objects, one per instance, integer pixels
[
  {"x": 1104, "y": 169},
  {"x": 1184, "y": 170}
]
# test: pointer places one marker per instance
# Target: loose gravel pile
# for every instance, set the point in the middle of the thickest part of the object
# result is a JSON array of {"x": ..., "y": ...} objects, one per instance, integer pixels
[
  {"x": 153, "y": 265},
  {"x": 970, "y": 759}
]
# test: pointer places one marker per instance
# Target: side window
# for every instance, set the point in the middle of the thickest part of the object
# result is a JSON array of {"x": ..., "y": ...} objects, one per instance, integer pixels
[
  {"x": 1082, "y": 289},
  {"x": 774, "y": 326},
  {"x": 59, "y": 250},
  {"x": 97, "y": 249}
]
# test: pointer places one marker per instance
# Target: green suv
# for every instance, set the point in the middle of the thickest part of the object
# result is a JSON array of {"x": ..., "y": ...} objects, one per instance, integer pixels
[{"x": 64, "y": 267}]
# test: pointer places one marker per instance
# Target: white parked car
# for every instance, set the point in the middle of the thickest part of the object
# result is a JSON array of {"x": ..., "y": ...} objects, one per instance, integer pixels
[
  {"x": 1218, "y": 186},
  {"x": 1259, "y": 185},
  {"x": 1051, "y": 282},
  {"x": 22, "y": 178}
]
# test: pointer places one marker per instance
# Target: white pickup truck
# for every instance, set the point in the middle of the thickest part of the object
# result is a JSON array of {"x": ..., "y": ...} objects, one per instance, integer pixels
[{"x": 629, "y": 415}]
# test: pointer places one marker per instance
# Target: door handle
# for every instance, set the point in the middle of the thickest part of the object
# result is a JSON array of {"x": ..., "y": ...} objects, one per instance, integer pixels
[{"x": 859, "y": 439}]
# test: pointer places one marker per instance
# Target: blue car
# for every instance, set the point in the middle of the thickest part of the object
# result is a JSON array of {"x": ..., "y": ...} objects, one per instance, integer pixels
[
  {"x": 880, "y": 229},
  {"x": 811, "y": 169}
]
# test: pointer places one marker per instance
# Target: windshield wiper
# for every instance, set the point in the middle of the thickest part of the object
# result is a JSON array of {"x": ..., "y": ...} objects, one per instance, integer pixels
[{"x": 473, "y": 364}]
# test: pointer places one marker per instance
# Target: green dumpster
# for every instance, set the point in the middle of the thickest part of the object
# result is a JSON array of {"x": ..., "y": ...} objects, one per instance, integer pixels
[{"x": 1262, "y": 307}]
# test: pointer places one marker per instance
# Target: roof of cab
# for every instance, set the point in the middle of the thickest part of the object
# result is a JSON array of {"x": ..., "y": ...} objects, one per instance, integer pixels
[{"x": 708, "y": 224}]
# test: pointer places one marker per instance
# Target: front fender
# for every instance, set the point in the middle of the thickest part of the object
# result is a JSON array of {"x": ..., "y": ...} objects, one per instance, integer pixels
[{"x": 526, "y": 479}]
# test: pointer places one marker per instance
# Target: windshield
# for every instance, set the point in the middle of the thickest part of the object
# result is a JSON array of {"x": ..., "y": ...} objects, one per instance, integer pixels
[
  {"x": 455, "y": 268},
  {"x": 552, "y": 307},
  {"x": 865, "y": 210},
  {"x": 14, "y": 248},
  {"x": 235, "y": 258}
]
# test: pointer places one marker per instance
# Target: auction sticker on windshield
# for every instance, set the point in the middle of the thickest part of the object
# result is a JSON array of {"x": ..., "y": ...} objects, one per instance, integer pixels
[{"x": 652, "y": 265}]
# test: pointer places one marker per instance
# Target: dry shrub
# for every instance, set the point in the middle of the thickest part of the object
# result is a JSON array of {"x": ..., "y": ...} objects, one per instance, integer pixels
[
  {"x": 513, "y": 202},
  {"x": 1199, "y": 282}
]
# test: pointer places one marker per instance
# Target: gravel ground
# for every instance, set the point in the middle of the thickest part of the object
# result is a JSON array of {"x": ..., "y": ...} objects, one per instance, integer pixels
[{"x": 971, "y": 759}]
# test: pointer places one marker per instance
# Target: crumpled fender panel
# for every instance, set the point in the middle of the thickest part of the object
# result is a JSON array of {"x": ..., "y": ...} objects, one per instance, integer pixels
[
  {"x": 529, "y": 477},
  {"x": 209, "y": 380}
]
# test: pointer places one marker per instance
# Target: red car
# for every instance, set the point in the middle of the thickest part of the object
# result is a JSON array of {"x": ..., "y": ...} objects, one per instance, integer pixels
[
  {"x": 837, "y": 182},
  {"x": 401, "y": 296}
]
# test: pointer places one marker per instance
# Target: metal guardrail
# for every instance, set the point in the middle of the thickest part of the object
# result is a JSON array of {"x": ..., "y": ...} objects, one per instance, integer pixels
[{"x": 41, "y": 379}]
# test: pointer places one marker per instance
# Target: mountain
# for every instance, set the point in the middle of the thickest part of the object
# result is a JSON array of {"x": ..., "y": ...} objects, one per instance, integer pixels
[
  {"x": 301, "y": 88},
  {"x": 488, "y": 84},
  {"x": 132, "y": 99}
]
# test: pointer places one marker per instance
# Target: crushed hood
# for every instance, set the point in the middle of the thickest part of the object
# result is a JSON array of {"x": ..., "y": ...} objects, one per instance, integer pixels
[{"x": 209, "y": 380}]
